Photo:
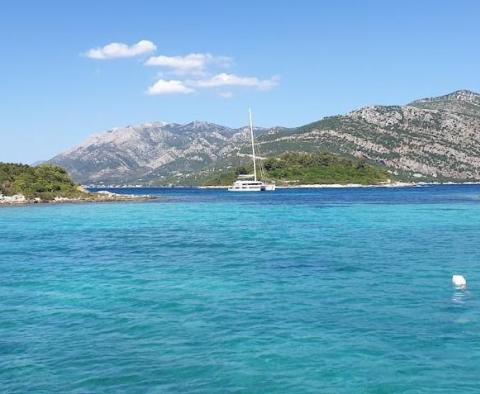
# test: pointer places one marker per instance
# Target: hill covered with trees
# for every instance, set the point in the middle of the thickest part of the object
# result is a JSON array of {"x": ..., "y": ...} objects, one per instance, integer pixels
[
  {"x": 307, "y": 168},
  {"x": 45, "y": 182}
]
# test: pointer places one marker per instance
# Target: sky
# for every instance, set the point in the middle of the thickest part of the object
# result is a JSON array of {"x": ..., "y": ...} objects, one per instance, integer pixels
[{"x": 72, "y": 69}]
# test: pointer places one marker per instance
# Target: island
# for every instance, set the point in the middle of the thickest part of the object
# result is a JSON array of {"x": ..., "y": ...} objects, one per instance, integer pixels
[
  {"x": 23, "y": 184},
  {"x": 296, "y": 169}
]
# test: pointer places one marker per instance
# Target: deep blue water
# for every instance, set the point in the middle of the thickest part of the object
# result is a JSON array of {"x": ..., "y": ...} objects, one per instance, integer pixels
[{"x": 205, "y": 291}]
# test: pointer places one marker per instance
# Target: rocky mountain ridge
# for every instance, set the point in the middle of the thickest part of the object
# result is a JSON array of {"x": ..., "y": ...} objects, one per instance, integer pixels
[{"x": 433, "y": 138}]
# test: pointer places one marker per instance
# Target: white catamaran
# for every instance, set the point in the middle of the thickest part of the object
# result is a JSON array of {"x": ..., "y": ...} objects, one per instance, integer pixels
[{"x": 250, "y": 183}]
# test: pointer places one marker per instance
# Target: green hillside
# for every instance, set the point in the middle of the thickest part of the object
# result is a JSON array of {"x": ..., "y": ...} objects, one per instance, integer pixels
[
  {"x": 44, "y": 181},
  {"x": 306, "y": 168}
]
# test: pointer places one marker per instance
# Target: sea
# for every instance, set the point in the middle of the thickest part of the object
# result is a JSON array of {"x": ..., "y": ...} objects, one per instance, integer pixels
[{"x": 344, "y": 290}]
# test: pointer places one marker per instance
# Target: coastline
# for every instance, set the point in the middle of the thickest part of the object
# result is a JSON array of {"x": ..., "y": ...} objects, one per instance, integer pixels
[
  {"x": 328, "y": 186},
  {"x": 356, "y": 185},
  {"x": 104, "y": 196},
  {"x": 96, "y": 197}
]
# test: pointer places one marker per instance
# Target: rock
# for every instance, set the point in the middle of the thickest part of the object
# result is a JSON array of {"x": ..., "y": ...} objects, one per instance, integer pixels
[{"x": 15, "y": 199}]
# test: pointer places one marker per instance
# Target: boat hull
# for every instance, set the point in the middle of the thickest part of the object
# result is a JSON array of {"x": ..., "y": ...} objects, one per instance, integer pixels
[
  {"x": 250, "y": 188},
  {"x": 268, "y": 188}
]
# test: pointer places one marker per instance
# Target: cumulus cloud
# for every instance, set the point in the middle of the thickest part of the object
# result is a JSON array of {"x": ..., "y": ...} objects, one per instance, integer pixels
[
  {"x": 163, "y": 86},
  {"x": 192, "y": 71},
  {"x": 120, "y": 50},
  {"x": 224, "y": 79},
  {"x": 191, "y": 63}
]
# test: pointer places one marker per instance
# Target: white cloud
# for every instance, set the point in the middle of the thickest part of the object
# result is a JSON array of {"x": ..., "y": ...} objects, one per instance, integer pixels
[
  {"x": 163, "y": 86},
  {"x": 224, "y": 79},
  {"x": 120, "y": 50},
  {"x": 191, "y": 63}
]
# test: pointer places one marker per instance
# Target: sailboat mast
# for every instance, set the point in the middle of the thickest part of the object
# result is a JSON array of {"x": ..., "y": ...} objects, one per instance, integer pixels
[{"x": 253, "y": 146}]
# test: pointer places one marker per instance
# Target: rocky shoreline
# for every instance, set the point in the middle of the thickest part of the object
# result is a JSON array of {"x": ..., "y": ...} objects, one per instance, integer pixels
[{"x": 101, "y": 196}]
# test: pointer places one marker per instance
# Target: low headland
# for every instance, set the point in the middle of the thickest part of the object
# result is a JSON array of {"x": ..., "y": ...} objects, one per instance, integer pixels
[{"x": 24, "y": 184}]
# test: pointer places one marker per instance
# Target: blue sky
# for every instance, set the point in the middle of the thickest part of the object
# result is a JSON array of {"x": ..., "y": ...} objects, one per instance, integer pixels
[{"x": 292, "y": 62}]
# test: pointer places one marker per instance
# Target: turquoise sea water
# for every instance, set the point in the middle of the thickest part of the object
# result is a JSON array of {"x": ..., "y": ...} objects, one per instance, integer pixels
[{"x": 297, "y": 291}]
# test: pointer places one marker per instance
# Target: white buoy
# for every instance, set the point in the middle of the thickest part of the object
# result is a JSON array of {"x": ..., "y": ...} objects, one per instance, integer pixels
[{"x": 459, "y": 281}]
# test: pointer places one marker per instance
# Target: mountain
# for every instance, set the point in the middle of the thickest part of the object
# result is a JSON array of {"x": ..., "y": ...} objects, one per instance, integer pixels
[
  {"x": 462, "y": 101},
  {"x": 136, "y": 152},
  {"x": 432, "y": 138}
]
